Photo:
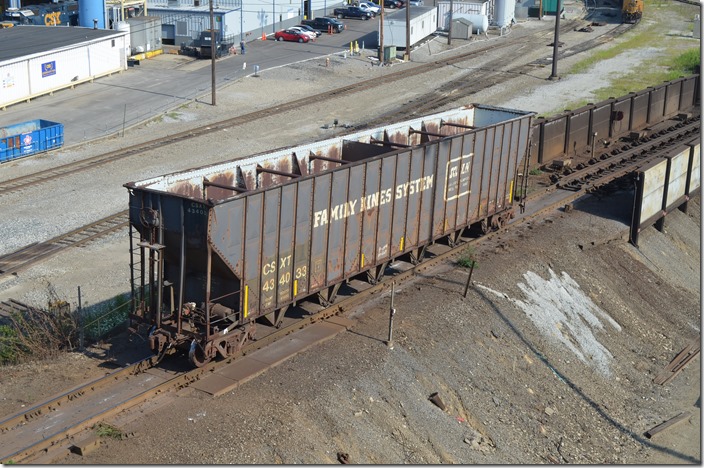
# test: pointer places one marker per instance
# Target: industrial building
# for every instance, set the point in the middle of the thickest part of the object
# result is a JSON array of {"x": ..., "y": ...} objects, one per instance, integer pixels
[
  {"x": 235, "y": 20},
  {"x": 37, "y": 60},
  {"x": 422, "y": 23}
]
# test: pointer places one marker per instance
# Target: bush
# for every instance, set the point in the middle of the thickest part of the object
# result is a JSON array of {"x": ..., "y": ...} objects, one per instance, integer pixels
[
  {"x": 467, "y": 260},
  {"x": 37, "y": 334}
]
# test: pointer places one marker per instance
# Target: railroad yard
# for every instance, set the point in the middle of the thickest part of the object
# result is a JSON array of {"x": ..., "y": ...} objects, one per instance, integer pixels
[{"x": 503, "y": 375}]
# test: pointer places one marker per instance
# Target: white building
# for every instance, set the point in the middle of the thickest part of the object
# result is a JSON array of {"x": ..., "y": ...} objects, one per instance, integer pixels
[
  {"x": 37, "y": 60},
  {"x": 422, "y": 23},
  {"x": 183, "y": 20}
]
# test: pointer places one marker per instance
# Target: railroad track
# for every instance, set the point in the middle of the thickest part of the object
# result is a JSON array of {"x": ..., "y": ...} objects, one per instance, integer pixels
[
  {"x": 486, "y": 76},
  {"x": 30, "y": 442},
  {"x": 623, "y": 160},
  {"x": 615, "y": 164},
  {"x": 17, "y": 261},
  {"x": 17, "y": 184}
]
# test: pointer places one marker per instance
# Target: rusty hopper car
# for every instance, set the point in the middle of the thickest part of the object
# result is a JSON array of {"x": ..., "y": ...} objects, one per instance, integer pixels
[{"x": 217, "y": 248}]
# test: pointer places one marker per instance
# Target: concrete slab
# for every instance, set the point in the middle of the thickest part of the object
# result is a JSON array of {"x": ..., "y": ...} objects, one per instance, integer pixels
[
  {"x": 256, "y": 363},
  {"x": 245, "y": 369},
  {"x": 215, "y": 384},
  {"x": 342, "y": 321}
]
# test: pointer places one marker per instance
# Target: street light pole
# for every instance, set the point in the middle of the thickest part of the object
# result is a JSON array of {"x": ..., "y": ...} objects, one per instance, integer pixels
[
  {"x": 449, "y": 29},
  {"x": 212, "y": 53},
  {"x": 556, "y": 44},
  {"x": 381, "y": 33},
  {"x": 407, "y": 55}
]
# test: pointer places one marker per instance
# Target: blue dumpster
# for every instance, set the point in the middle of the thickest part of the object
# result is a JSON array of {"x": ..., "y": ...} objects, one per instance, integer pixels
[{"x": 31, "y": 137}]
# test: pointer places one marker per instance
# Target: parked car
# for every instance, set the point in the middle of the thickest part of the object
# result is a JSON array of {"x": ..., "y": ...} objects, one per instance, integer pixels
[
  {"x": 353, "y": 12},
  {"x": 309, "y": 29},
  {"x": 391, "y": 4},
  {"x": 291, "y": 35},
  {"x": 370, "y": 7},
  {"x": 323, "y": 23},
  {"x": 311, "y": 35},
  {"x": 415, "y": 2}
]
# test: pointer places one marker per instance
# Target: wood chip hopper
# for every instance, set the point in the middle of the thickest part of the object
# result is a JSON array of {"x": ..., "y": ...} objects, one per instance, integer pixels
[{"x": 216, "y": 248}]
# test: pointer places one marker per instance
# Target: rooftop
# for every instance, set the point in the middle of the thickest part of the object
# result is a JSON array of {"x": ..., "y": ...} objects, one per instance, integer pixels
[{"x": 22, "y": 41}]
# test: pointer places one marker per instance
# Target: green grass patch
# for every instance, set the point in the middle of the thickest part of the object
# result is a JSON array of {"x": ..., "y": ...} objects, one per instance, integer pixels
[
  {"x": 671, "y": 61},
  {"x": 468, "y": 258},
  {"x": 535, "y": 171},
  {"x": 106, "y": 430}
]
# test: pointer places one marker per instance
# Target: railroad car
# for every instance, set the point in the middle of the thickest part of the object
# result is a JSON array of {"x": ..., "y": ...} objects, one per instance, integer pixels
[
  {"x": 632, "y": 11},
  {"x": 218, "y": 248}
]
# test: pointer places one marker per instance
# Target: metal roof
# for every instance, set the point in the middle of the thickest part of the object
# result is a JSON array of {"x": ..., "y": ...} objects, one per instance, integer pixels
[
  {"x": 400, "y": 15},
  {"x": 22, "y": 41}
]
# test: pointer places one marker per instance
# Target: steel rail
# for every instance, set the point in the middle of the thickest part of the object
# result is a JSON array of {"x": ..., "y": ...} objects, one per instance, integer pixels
[
  {"x": 22, "y": 259},
  {"x": 636, "y": 156}
]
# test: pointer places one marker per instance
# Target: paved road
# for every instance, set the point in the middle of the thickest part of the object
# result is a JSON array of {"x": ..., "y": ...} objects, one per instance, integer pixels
[{"x": 101, "y": 108}]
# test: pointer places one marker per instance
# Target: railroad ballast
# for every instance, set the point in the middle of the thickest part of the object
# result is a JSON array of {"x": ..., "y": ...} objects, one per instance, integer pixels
[{"x": 216, "y": 248}]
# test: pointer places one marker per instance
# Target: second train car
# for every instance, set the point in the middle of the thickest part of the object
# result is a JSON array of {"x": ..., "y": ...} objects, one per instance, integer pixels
[{"x": 215, "y": 249}]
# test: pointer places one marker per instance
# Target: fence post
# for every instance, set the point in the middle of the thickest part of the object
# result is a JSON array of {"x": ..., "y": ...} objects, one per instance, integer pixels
[
  {"x": 81, "y": 335},
  {"x": 469, "y": 279},
  {"x": 392, "y": 312}
]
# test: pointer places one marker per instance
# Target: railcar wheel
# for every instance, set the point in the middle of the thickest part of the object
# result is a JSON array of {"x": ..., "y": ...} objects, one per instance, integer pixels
[
  {"x": 196, "y": 355},
  {"x": 484, "y": 226}
]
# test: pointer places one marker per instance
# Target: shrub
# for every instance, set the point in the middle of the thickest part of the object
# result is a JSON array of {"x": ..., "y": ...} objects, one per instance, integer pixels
[{"x": 467, "y": 259}]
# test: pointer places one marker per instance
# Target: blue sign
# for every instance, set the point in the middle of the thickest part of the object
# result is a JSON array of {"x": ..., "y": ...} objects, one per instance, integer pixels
[{"x": 48, "y": 69}]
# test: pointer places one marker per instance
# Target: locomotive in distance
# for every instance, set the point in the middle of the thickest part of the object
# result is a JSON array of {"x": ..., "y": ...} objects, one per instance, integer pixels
[{"x": 214, "y": 250}]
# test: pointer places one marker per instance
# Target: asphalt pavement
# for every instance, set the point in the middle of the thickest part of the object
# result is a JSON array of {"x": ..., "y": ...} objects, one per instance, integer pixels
[{"x": 110, "y": 104}]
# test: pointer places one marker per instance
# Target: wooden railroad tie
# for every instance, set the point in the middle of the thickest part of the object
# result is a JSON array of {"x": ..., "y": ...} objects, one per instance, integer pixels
[
  {"x": 668, "y": 424},
  {"x": 677, "y": 364}
]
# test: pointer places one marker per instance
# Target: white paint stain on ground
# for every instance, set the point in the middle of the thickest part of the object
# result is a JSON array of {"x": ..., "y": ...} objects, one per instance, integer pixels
[{"x": 562, "y": 312}]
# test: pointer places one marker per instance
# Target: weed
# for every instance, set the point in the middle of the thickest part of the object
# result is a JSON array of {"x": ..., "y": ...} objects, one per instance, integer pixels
[
  {"x": 535, "y": 172},
  {"x": 106, "y": 430},
  {"x": 467, "y": 259}
]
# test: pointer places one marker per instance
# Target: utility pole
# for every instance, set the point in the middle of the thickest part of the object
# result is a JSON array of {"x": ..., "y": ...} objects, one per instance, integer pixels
[
  {"x": 407, "y": 55},
  {"x": 381, "y": 33},
  {"x": 449, "y": 29},
  {"x": 556, "y": 44},
  {"x": 212, "y": 53}
]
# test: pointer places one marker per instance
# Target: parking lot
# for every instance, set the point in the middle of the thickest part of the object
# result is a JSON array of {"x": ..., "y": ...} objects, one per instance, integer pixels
[{"x": 110, "y": 104}]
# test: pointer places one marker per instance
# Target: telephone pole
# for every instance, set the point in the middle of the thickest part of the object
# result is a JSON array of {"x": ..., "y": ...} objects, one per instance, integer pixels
[
  {"x": 556, "y": 44},
  {"x": 381, "y": 33},
  {"x": 212, "y": 53}
]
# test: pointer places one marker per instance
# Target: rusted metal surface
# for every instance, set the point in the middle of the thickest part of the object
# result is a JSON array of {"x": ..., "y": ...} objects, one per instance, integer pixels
[
  {"x": 571, "y": 132},
  {"x": 307, "y": 224}
]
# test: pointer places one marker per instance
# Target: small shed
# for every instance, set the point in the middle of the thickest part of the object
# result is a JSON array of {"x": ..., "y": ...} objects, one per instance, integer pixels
[
  {"x": 461, "y": 28},
  {"x": 423, "y": 22}
]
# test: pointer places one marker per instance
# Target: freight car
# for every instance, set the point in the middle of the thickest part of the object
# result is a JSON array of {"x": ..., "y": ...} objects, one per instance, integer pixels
[
  {"x": 217, "y": 248},
  {"x": 632, "y": 11}
]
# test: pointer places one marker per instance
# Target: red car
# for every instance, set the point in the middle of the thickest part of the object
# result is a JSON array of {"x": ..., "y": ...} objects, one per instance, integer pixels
[{"x": 291, "y": 35}]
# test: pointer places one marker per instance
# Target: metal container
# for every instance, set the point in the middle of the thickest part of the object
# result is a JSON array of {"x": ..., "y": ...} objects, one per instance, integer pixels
[
  {"x": 28, "y": 138},
  {"x": 246, "y": 238},
  {"x": 91, "y": 12},
  {"x": 505, "y": 13}
]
